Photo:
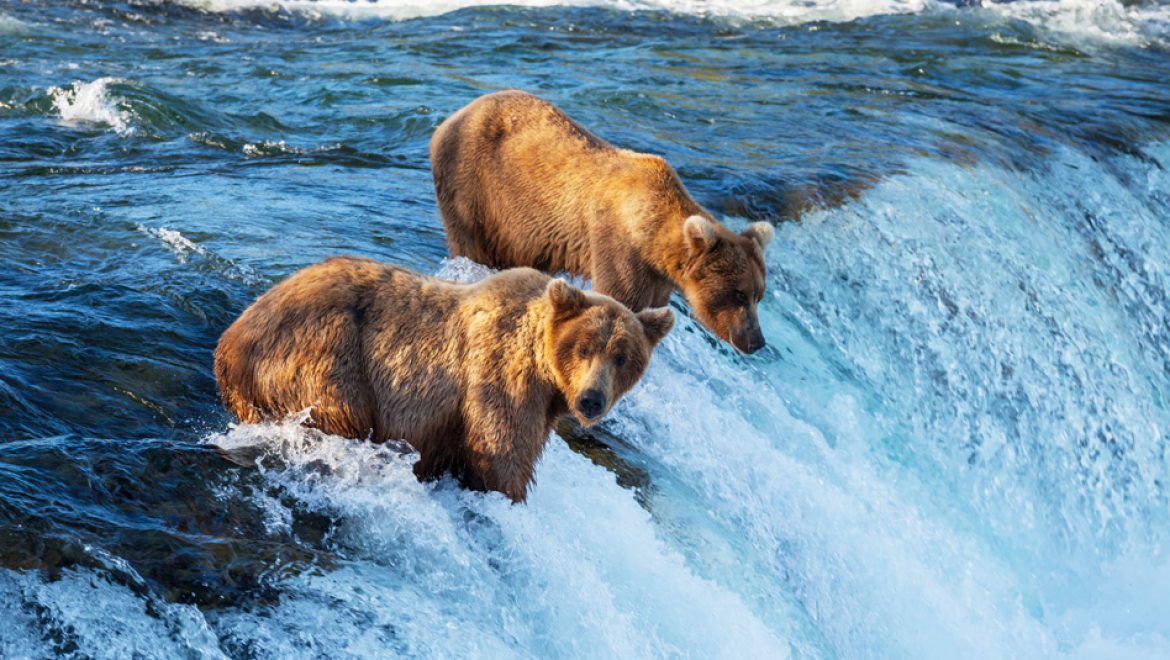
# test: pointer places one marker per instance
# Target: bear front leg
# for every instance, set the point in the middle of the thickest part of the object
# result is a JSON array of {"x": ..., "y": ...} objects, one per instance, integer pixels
[
  {"x": 470, "y": 245},
  {"x": 661, "y": 294},
  {"x": 498, "y": 472},
  {"x": 502, "y": 453}
]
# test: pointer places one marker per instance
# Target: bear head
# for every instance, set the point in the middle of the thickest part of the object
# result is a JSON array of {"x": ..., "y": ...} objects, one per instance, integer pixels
[
  {"x": 723, "y": 279},
  {"x": 599, "y": 348}
]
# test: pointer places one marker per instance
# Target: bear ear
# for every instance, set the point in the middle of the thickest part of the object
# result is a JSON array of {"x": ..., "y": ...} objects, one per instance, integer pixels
[
  {"x": 566, "y": 299},
  {"x": 760, "y": 232},
  {"x": 656, "y": 323},
  {"x": 699, "y": 233}
]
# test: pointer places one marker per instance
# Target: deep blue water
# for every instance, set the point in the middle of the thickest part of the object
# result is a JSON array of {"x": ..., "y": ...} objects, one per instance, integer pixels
[{"x": 953, "y": 446}]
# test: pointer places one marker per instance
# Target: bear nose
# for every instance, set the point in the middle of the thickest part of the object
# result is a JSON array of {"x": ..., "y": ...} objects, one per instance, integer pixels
[
  {"x": 591, "y": 403},
  {"x": 754, "y": 344},
  {"x": 749, "y": 342}
]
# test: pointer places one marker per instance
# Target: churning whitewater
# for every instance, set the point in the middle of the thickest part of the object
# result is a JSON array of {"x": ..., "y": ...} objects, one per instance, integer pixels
[{"x": 954, "y": 444}]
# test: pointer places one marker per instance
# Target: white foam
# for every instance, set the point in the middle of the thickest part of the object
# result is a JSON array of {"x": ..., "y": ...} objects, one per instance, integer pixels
[
  {"x": 787, "y": 11},
  {"x": 182, "y": 246},
  {"x": 12, "y": 25},
  {"x": 185, "y": 249},
  {"x": 272, "y": 147},
  {"x": 1074, "y": 21},
  {"x": 85, "y": 610},
  {"x": 879, "y": 574},
  {"x": 1092, "y": 21},
  {"x": 91, "y": 103},
  {"x": 214, "y": 37},
  {"x": 961, "y": 450},
  {"x": 578, "y": 570},
  {"x": 463, "y": 270}
]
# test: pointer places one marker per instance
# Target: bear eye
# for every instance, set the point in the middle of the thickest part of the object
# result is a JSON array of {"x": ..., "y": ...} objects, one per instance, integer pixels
[
  {"x": 739, "y": 298},
  {"x": 620, "y": 360},
  {"x": 583, "y": 352}
]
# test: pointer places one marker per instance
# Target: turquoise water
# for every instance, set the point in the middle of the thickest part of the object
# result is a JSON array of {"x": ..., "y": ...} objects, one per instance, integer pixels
[{"x": 954, "y": 444}]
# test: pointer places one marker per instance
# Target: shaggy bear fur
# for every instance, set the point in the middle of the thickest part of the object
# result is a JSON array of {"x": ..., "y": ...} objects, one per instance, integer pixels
[
  {"x": 473, "y": 376},
  {"x": 519, "y": 183}
]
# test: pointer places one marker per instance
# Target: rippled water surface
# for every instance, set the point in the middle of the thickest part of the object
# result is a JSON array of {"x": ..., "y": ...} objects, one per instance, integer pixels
[{"x": 953, "y": 446}]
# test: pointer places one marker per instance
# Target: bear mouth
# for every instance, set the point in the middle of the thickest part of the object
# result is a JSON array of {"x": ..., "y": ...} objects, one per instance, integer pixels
[
  {"x": 586, "y": 420},
  {"x": 739, "y": 349}
]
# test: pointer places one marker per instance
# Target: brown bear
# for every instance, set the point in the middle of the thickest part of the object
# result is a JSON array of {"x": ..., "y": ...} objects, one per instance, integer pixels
[
  {"x": 519, "y": 183},
  {"x": 473, "y": 376}
]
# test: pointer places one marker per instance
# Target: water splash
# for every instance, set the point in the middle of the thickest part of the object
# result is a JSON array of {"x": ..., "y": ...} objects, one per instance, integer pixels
[
  {"x": 1109, "y": 22},
  {"x": 91, "y": 103},
  {"x": 462, "y": 270},
  {"x": 83, "y": 609},
  {"x": 578, "y": 570},
  {"x": 11, "y": 25},
  {"x": 1074, "y": 22},
  {"x": 783, "y": 11},
  {"x": 175, "y": 242},
  {"x": 964, "y": 407}
]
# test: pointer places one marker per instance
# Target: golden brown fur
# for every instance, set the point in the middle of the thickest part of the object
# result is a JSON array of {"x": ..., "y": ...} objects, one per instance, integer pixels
[
  {"x": 519, "y": 183},
  {"x": 471, "y": 375}
]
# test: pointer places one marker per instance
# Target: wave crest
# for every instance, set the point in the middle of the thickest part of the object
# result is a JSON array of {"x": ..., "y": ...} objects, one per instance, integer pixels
[
  {"x": 1112, "y": 22},
  {"x": 91, "y": 103}
]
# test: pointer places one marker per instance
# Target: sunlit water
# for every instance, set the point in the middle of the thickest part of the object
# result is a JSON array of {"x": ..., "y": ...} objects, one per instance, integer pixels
[{"x": 953, "y": 446}]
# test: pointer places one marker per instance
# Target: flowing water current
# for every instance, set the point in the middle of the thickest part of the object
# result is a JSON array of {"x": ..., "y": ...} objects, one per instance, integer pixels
[{"x": 954, "y": 445}]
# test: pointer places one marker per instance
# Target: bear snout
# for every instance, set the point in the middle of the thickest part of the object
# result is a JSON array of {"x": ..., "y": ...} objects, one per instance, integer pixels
[
  {"x": 749, "y": 341},
  {"x": 591, "y": 403}
]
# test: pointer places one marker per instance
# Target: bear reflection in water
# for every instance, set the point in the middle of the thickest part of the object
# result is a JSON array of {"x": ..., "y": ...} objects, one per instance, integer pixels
[{"x": 473, "y": 376}]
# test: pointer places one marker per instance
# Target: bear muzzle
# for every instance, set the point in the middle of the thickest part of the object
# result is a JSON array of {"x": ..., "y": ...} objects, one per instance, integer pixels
[
  {"x": 591, "y": 404},
  {"x": 749, "y": 339}
]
